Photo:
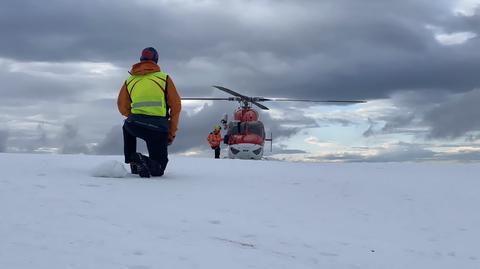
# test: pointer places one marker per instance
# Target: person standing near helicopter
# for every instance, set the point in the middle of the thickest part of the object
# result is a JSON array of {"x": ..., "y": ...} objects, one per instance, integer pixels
[{"x": 214, "y": 139}]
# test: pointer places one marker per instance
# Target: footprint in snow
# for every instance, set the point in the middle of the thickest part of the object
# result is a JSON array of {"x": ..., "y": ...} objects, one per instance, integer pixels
[
  {"x": 138, "y": 253},
  {"x": 249, "y": 236},
  {"x": 90, "y": 185},
  {"x": 328, "y": 254},
  {"x": 138, "y": 267}
]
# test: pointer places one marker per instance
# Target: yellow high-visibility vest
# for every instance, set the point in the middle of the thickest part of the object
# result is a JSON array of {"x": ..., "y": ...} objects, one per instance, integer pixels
[{"x": 148, "y": 93}]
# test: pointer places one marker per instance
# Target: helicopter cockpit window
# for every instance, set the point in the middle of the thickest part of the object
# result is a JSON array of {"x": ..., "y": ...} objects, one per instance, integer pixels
[
  {"x": 255, "y": 127},
  {"x": 243, "y": 128},
  {"x": 236, "y": 128}
]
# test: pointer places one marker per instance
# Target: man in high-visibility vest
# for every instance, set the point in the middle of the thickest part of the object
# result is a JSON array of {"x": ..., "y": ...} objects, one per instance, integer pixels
[
  {"x": 150, "y": 101},
  {"x": 214, "y": 139}
]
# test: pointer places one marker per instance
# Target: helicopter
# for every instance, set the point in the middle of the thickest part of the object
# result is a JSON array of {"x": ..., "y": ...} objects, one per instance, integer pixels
[{"x": 246, "y": 133}]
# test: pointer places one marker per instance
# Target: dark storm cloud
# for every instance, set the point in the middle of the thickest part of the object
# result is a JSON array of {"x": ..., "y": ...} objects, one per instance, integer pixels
[
  {"x": 371, "y": 129},
  {"x": 334, "y": 49},
  {"x": 106, "y": 31},
  {"x": 37, "y": 84},
  {"x": 112, "y": 144},
  {"x": 3, "y": 140},
  {"x": 18, "y": 88},
  {"x": 431, "y": 115},
  {"x": 456, "y": 117},
  {"x": 70, "y": 141}
]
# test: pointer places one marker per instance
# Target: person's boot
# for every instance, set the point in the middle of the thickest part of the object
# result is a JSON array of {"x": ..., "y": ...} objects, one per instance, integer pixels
[
  {"x": 141, "y": 164},
  {"x": 155, "y": 168},
  {"x": 133, "y": 168}
]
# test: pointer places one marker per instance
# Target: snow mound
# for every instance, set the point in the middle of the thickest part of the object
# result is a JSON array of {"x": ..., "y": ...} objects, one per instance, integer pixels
[{"x": 110, "y": 168}]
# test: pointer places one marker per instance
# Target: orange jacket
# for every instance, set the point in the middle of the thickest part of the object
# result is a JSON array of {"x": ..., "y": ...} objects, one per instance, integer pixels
[
  {"x": 173, "y": 99},
  {"x": 214, "y": 139}
]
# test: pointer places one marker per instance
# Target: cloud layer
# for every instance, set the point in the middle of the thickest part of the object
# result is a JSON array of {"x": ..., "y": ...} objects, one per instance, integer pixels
[{"x": 64, "y": 62}]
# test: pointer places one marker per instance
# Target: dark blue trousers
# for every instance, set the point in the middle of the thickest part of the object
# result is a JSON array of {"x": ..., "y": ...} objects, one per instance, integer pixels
[{"x": 157, "y": 143}]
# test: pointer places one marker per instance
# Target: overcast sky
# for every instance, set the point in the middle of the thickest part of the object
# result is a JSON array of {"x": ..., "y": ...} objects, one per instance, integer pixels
[{"x": 417, "y": 62}]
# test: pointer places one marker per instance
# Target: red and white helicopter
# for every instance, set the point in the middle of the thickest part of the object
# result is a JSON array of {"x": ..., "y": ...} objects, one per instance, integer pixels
[{"x": 245, "y": 133}]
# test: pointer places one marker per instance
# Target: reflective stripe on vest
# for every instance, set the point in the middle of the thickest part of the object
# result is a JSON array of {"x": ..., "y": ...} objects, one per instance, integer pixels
[{"x": 148, "y": 93}]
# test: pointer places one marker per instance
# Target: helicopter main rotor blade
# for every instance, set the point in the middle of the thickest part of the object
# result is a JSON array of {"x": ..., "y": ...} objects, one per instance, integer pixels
[
  {"x": 256, "y": 100},
  {"x": 231, "y": 92},
  {"x": 243, "y": 97},
  {"x": 209, "y": 98},
  {"x": 312, "y": 101},
  {"x": 260, "y": 105}
]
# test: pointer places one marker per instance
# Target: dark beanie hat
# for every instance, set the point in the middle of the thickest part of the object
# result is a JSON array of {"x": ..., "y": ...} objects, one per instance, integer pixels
[{"x": 149, "y": 54}]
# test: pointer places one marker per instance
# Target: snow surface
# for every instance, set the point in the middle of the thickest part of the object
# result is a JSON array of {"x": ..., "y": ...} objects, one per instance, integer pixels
[{"x": 208, "y": 213}]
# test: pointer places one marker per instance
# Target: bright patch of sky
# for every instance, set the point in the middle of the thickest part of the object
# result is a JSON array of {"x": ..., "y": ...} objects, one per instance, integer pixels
[
  {"x": 342, "y": 130},
  {"x": 454, "y": 38},
  {"x": 66, "y": 70},
  {"x": 339, "y": 125},
  {"x": 449, "y": 39},
  {"x": 466, "y": 7},
  {"x": 192, "y": 107},
  {"x": 461, "y": 8}
]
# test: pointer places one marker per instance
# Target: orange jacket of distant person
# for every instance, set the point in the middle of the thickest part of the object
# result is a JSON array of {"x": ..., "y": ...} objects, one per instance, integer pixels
[{"x": 214, "y": 139}]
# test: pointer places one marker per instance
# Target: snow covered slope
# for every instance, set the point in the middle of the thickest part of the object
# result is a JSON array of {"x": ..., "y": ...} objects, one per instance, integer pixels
[{"x": 211, "y": 214}]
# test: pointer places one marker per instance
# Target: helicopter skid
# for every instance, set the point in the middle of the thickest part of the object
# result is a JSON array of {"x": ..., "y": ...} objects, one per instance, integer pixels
[{"x": 245, "y": 151}]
